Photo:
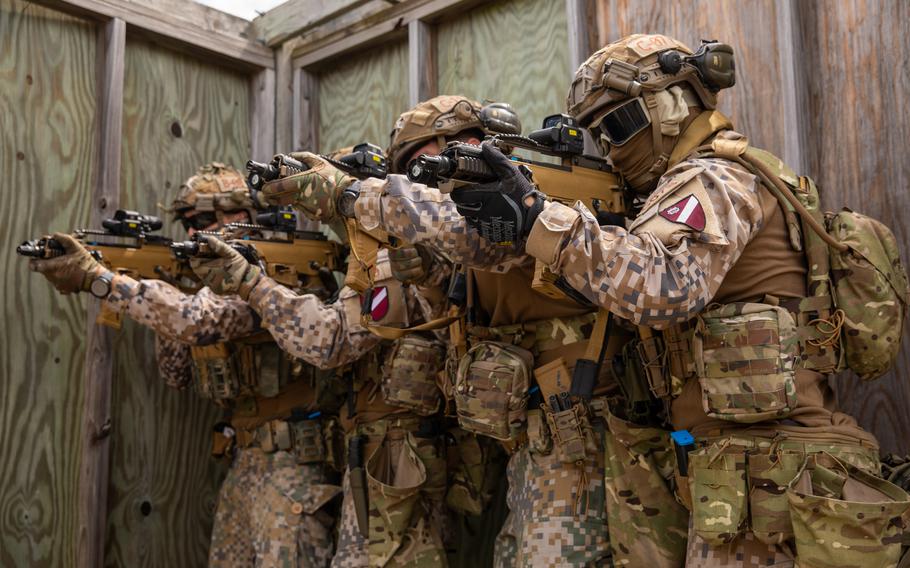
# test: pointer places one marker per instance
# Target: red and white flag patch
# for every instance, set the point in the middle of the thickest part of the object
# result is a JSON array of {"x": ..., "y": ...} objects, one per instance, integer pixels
[
  {"x": 687, "y": 211},
  {"x": 379, "y": 306}
]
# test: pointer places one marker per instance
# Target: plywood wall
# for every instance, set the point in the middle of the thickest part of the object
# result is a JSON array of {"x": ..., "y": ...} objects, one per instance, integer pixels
[
  {"x": 47, "y": 156},
  {"x": 515, "y": 51},
  {"x": 179, "y": 113},
  {"x": 361, "y": 97}
]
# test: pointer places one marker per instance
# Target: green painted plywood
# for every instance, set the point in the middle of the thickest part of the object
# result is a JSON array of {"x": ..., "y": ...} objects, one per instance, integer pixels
[
  {"x": 361, "y": 97},
  {"x": 47, "y": 156}
]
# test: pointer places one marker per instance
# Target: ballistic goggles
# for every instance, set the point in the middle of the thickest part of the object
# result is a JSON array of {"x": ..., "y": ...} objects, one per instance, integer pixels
[
  {"x": 622, "y": 122},
  {"x": 200, "y": 221}
]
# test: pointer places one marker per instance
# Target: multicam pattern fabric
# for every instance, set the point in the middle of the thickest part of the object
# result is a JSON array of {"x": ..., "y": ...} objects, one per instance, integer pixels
[
  {"x": 269, "y": 516},
  {"x": 313, "y": 192},
  {"x": 557, "y": 512},
  {"x": 203, "y": 318},
  {"x": 659, "y": 272}
]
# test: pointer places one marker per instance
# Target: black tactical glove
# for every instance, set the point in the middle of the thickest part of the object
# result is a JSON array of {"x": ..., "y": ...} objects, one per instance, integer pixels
[{"x": 504, "y": 211}]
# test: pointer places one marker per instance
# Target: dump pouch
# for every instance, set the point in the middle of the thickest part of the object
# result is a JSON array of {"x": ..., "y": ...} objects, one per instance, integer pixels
[
  {"x": 843, "y": 516},
  {"x": 491, "y": 389},
  {"x": 745, "y": 356},
  {"x": 409, "y": 379},
  {"x": 717, "y": 483}
]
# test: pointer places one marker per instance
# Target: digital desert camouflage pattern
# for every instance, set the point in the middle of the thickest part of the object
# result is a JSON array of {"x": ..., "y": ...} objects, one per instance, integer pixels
[
  {"x": 645, "y": 520},
  {"x": 268, "y": 514},
  {"x": 745, "y": 356},
  {"x": 314, "y": 192},
  {"x": 175, "y": 362},
  {"x": 557, "y": 512}
]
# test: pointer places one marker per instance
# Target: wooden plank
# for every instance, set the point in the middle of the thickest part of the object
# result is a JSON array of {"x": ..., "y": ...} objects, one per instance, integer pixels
[
  {"x": 179, "y": 113},
  {"x": 421, "y": 62},
  {"x": 284, "y": 99},
  {"x": 515, "y": 52},
  {"x": 306, "y": 111},
  {"x": 297, "y": 16},
  {"x": 362, "y": 97},
  {"x": 794, "y": 79},
  {"x": 96, "y": 404},
  {"x": 48, "y": 129},
  {"x": 581, "y": 19},
  {"x": 859, "y": 124},
  {"x": 180, "y": 25},
  {"x": 262, "y": 115}
]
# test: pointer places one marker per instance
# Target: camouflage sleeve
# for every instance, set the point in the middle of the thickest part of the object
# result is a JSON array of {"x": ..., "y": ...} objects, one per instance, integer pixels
[
  {"x": 671, "y": 261},
  {"x": 175, "y": 364},
  {"x": 416, "y": 213},
  {"x": 323, "y": 335},
  {"x": 203, "y": 318}
]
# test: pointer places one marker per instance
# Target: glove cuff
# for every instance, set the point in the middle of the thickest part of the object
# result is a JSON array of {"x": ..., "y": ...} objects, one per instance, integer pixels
[{"x": 250, "y": 278}]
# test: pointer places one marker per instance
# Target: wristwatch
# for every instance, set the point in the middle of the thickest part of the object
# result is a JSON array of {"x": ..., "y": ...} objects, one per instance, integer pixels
[
  {"x": 101, "y": 286},
  {"x": 347, "y": 199}
]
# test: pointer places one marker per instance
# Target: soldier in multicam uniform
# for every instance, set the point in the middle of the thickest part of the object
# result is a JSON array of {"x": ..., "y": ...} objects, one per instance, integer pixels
[
  {"x": 725, "y": 269},
  {"x": 556, "y": 492},
  {"x": 278, "y": 431}
]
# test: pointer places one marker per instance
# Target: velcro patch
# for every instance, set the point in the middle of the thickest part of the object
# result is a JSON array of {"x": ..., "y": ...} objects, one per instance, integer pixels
[
  {"x": 649, "y": 44},
  {"x": 687, "y": 211}
]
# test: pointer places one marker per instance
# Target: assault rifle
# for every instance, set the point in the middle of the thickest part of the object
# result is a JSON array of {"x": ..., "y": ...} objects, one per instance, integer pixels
[
  {"x": 576, "y": 178},
  {"x": 304, "y": 259},
  {"x": 364, "y": 161},
  {"x": 125, "y": 245}
]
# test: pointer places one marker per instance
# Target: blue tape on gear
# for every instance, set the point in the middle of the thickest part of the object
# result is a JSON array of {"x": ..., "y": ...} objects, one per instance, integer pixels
[{"x": 682, "y": 438}]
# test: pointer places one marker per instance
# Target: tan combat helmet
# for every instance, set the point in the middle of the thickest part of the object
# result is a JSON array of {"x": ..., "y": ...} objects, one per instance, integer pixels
[
  {"x": 647, "y": 80},
  {"x": 442, "y": 116},
  {"x": 215, "y": 188}
]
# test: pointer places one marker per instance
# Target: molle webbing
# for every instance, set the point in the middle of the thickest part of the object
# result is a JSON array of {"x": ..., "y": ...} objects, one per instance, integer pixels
[{"x": 538, "y": 336}]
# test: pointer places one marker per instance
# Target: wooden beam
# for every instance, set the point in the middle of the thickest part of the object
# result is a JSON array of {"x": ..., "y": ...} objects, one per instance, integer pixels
[
  {"x": 421, "y": 62},
  {"x": 582, "y": 20},
  {"x": 306, "y": 116},
  {"x": 296, "y": 16},
  {"x": 182, "y": 24},
  {"x": 262, "y": 115},
  {"x": 284, "y": 99},
  {"x": 98, "y": 371},
  {"x": 793, "y": 86}
]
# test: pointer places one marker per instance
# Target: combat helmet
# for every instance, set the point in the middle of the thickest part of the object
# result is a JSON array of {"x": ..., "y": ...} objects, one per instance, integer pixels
[
  {"x": 631, "y": 84},
  {"x": 446, "y": 115},
  {"x": 215, "y": 188}
]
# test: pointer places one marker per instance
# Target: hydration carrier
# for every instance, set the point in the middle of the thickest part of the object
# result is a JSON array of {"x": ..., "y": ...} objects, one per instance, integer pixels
[{"x": 858, "y": 289}]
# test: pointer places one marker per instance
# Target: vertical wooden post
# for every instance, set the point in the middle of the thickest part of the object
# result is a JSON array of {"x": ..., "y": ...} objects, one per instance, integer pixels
[
  {"x": 262, "y": 115},
  {"x": 793, "y": 86},
  {"x": 421, "y": 62},
  {"x": 284, "y": 99},
  {"x": 580, "y": 15},
  {"x": 306, "y": 111},
  {"x": 98, "y": 371}
]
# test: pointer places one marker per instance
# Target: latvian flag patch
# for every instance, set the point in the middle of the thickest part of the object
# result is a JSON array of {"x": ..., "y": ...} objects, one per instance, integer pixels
[{"x": 687, "y": 211}]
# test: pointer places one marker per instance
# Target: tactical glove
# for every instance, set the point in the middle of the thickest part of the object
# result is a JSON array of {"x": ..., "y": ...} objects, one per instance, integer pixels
[
  {"x": 228, "y": 272},
  {"x": 504, "y": 211},
  {"x": 313, "y": 192},
  {"x": 72, "y": 272},
  {"x": 410, "y": 263}
]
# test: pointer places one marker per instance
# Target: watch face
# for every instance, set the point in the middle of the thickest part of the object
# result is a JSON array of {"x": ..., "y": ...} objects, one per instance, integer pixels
[{"x": 100, "y": 287}]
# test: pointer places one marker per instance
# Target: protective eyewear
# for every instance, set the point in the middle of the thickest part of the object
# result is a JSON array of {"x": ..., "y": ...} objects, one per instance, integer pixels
[
  {"x": 199, "y": 221},
  {"x": 619, "y": 124}
]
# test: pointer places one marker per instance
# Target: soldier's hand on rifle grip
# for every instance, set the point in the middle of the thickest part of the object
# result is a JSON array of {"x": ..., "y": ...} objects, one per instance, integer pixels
[
  {"x": 313, "y": 192},
  {"x": 503, "y": 211},
  {"x": 72, "y": 272},
  {"x": 228, "y": 272}
]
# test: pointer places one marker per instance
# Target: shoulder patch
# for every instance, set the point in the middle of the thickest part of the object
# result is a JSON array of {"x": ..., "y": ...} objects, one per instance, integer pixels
[{"x": 687, "y": 211}]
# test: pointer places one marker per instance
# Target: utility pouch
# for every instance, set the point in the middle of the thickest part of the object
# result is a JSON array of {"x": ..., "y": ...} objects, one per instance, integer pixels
[
  {"x": 573, "y": 437},
  {"x": 215, "y": 373},
  {"x": 769, "y": 476},
  {"x": 846, "y": 518},
  {"x": 309, "y": 444},
  {"x": 539, "y": 439},
  {"x": 491, "y": 389},
  {"x": 717, "y": 483},
  {"x": 395, "y": 476},
  {"x": 745, "y": 356},
  {"x": 409, "y": 380}
]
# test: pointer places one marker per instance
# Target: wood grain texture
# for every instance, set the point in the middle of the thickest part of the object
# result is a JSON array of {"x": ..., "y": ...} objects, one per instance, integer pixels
[
  {"x": 360, "y": 99},
  {"x": 163, "y": 482},
  {"x": 47, "y": 155},
  {"x": 421, "y": 62},
  {"x": 515, "y": 52},
  {"x": 755, "y": 102},
  {"x": 297, "y": 16},
  {"x": 262, "y": 115},
  {"x": 858, "y": 59}
]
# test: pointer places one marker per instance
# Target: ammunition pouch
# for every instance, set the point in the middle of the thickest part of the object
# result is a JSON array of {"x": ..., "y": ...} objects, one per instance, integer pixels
[
  {"x": 305, "y": 439},
  {"x": 573, "y": 437},
  {"x": 409, "y": 379},
  {"x": 491, "y": 389}
]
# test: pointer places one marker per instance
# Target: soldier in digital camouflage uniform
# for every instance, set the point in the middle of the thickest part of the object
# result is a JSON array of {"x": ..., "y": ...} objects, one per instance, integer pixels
[
  {"x": 557, "y": 509},
  {"x": 393, "y": 401},
  {"x": 270, "y": 506},
  {"x": 725, "y": 271}
]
